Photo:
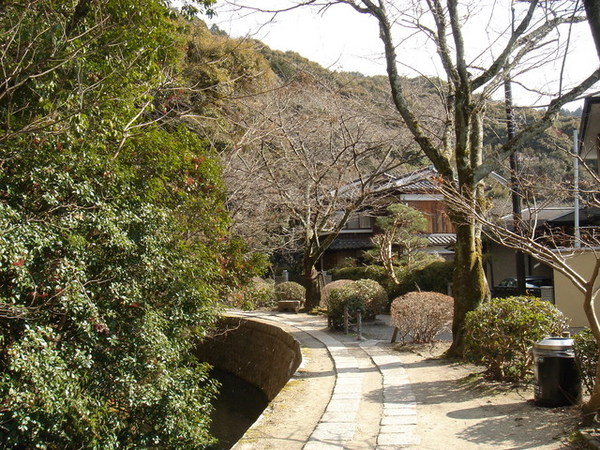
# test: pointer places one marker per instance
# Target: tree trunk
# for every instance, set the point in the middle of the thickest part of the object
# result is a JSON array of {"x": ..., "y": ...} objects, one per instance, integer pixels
[
  {"x": 313, "y": 290},
  {"x": 469, "y": 283},
  {"x": 592, "y": 406},
  {"x": 592, "y": 10}
]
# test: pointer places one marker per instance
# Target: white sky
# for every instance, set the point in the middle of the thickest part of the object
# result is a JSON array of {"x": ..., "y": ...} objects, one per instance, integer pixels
[{"x": 341, "y": 39}]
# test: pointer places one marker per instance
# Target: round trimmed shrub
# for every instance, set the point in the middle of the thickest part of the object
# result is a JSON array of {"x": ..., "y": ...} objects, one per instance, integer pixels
[
  {"x": 290, "y": 290},
  {"x": 373, "y": 295},
  {"x": 326, "y": 291},
  {"x": 366, "y": 296},
  {"x": 500, "y": 333},
  {"x": 421, "y": 316},
  {"x": 339, "y": 298},
  {"x": 586, "y": 357}
]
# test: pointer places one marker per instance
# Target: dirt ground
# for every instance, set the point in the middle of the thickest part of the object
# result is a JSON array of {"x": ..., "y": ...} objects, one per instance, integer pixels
[{"x": 458, "y": 408}]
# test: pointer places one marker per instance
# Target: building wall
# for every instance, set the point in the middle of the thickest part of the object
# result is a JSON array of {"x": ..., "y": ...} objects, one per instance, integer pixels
[
  {"x": 435, "y": 211},
  {"x": 501, "y": 263},
  {"x": 567, "y": 297}
]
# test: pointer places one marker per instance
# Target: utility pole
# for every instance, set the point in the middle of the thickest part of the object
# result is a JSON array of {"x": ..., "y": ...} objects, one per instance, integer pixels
[
  {"x": 514, "y": 184},
  {"x": 577, "y": 233}
]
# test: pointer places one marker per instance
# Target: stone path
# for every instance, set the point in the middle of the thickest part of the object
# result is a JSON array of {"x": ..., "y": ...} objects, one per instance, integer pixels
[{"x": 371, "y": 404}]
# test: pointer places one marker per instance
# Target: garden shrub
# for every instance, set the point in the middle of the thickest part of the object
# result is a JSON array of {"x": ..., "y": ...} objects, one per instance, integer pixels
[
  {"x": 290, "y": 290},
  {"x": 373, "y": 272},
  {"x": 422, "y": 315},
  {"x": 501, "y": 332},
  {"x": 326, "y": 291},
  {"x": 341, "y": 297},
  {"x": 258, "y": 293},
  {"x": 366, "y": 296},
  {"x": 373, "y": 295},
  {"x": 435, "y": 277},
  {"x": 586, "y": 357}
]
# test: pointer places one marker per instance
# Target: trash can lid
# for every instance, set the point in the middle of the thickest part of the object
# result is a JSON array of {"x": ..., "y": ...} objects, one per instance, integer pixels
[{"x": 554, "y": 343}]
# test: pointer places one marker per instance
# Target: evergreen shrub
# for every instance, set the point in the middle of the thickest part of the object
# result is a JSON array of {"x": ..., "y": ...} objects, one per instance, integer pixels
[
  {"x": 366, "y": 296},
  {"x": 258, "y": 293},
  {"x": 434, "y": 277},
  {"x": 326, "y": 291},
  {"x": 501, "y": 332},
  {"x": 373, "y": 272},
  {"x": 586, "y": 357},
  {"x": 290, "y": 290},
  {"x": 373, "y": 295}
]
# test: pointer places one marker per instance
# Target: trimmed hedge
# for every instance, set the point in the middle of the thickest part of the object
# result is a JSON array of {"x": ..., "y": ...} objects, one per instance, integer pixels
[
  {"x": 422, "y": 315},
  {"x": 435, "y": 277},
  {"x": 365, "y": 295},
  {"x": 290, "y": 290},
  {"x": 326, "y": 291}
]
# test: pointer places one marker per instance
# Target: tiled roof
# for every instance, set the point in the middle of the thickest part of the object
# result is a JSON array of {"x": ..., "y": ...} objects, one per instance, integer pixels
[
  {"x": 419, "y": 181},
  {"x": 441, "y": 238},
  {"x": 351, "y": 244}
]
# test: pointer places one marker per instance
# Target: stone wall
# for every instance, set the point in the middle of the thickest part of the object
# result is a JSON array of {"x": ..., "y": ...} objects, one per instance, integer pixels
[{"x": 259, "y": 353}]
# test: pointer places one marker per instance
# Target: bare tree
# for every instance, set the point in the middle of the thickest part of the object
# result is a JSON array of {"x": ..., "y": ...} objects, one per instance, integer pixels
[
  {"x": 523, "y": 41},
  {"x": 307, "y": 160}
]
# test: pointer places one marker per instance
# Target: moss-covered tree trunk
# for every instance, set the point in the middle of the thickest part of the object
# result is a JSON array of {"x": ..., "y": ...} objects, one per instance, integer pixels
[{"x": 469, "y": 283}]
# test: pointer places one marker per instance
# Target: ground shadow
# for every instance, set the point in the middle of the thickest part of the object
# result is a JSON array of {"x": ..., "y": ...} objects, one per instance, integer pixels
[{"x": 515, "y": 426}]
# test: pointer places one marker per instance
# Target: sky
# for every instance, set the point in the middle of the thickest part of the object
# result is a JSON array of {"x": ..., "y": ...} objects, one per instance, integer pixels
[{"x": 343, "y": 40}]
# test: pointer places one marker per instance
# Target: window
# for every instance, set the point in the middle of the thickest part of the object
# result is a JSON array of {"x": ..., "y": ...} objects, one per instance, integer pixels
[{"x": 359, "y": 222}]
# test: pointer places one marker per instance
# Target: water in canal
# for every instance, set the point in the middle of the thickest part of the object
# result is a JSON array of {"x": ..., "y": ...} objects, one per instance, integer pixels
[{"x": 238, "y": 405}]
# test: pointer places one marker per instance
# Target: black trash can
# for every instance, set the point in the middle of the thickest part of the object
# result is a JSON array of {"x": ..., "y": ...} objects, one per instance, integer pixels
[{"x": 557, "y": 381}]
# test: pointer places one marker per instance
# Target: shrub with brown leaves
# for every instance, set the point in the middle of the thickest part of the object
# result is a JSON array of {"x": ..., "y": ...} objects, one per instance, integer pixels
[{"x": 421, "y": 316}]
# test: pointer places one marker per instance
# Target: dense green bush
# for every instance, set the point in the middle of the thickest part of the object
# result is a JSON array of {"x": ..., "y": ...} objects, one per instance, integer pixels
[
  {"x": 257, "y": 293},
  {"x": 342, "y": 297},
  {"x": 434, "y": 277},
  {"x": 326, "y": 291},
  {"x": 366, "y": 296},
  {"x": 373, "y": 272},
  {"x": 290, "y": 290},
  {"x": 501, "y": 332},
  {"x": 586, "y": 357},
  {"x": 373, "y": 295},
  {"x": 422, "y": 315},
  {"x": 114, "y": 250}
]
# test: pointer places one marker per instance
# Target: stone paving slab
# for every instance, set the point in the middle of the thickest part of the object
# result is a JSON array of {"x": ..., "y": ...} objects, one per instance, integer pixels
[
  {"x": 398, "y": 425},
  {"x": 314, "y": 445}
]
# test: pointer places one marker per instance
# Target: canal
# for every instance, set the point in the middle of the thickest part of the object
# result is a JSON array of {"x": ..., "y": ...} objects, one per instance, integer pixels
[{"x": 237, "y": 407}]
